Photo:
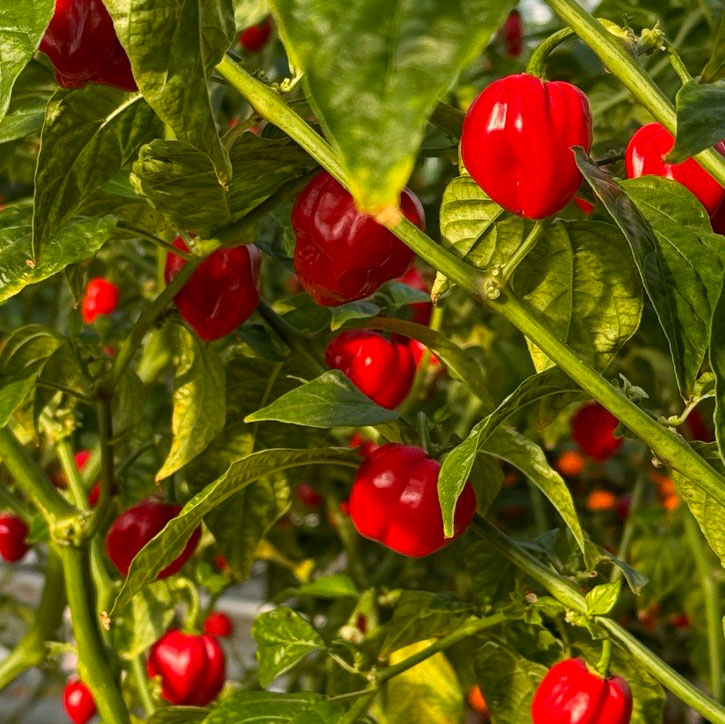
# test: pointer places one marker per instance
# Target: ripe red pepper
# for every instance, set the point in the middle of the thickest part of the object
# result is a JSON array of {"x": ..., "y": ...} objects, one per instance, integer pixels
[
  {"x": 13, "y": 532},
  {"x": 645, "y": 156},
  {"x": 517, "y": 139},
  {"x": 571, "y": 694},
  {"x": 130, "y": 532},
  {"x": 81, "y": 43},
  {"x": 394, "y": 500},
  {"x": 362, "y": 444},
  {"x": 222, "y": 292},
  {"x": 382, "y": 369},
  {"x": 342, "y": 255},
  {"x": 78, "y": 701},
  {"x": 307, "y": 495},
  {"x": 101, "y": 297},
  {"x": 218, "y": 624},
  {"x": 592, "y": 428},
  {"x": 192, "y": 668},
  {"x": 512, "y": 33},
  {"x": 254, "y": 38}
]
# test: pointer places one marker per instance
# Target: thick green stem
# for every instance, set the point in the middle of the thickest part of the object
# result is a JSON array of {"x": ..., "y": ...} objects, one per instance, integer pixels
[
  {"x": 105, "y": 432},
  {"x": 526, "y": 246},
  {"x": 78, "y": 492},
  {"x": 142, "y": 684},
  {"x": 93, "y": 657}
]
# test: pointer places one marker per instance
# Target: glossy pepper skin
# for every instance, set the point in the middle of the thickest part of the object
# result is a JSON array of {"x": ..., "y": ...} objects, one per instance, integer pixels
[
  {"x": 592, "y": 428},
  {"x": 254, "y": 38},
  {"x": 101, "y": 298},
  {"x": 571, "y": 694},
  {"x": 517, "y": 139},
  {"x": 342, "y": 255},
  {"x": 394, "y": 500},
  {"x": 222, "y": 292},
  {"x": 218, "y": 624},
  {"x": 13, "y": 532},
  {"x": 382, "y": 369},
  {"x": 192, "y": 668},
  {"x": 78, "y": 701},
  {"x": 135, "y": 527},
  {"x": 645, "y": 156},
  {"x": 81, "y": 43}
]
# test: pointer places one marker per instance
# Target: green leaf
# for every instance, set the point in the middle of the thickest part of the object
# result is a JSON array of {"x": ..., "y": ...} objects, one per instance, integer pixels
[
  {"x": 89, "y": 134},
  {"x": 581, "y": 280},
  {"x": 199, "y": 402},
  {"x": 717, "y": 364},
  {"x": 170, "y": 173},
  {"x": 254, "y": 707},
  {"x": 168, "y": 544},
  {"x": 700, "y": 119},
  {"x": 330, "y": 587},
  {"x": 715, "y": 68},
  {"x": 603, "y": 598},
  {"x": 330, "y": 400},
  {"x": 174, "y": 48},
  {"x": 22, "y": 28},
  {"x": 283, "y": 639},
  {"x": 178, "y": 715},
  {"x": 492, "y": 579},
  {"x": 80, "y": 239},
  {"x": 249, "y": 12},
  {"x": 353, "y": 310},
  {"x": 26, "y": 120},
  {"x": 375, "y": 70}
]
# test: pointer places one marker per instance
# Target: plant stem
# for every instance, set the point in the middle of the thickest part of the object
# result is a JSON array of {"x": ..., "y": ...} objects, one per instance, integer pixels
[
  {"x": 537, "y": 62},
  {"x": 8, "y": 500},
  {"x": 159, "y": 243},
  {"x": 713, "y": 606},
  {"x": 565, "y": 592},
  {"x": 105, "y": 431},
  {"x": 526, "y": 246},
  {"x": 676, "y": 62},
  {"x": 65, "y": 456},
  {"x": 142, "y": 684},
  {"x": 629, "y": 526}
]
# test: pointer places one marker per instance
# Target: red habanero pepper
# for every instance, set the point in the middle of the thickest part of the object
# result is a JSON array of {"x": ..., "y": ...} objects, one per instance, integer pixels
[
  {"x": 135, "y": 527},
  {"x": 218, "y": 624},
  {"x": 592, "y": 428},
  {"x": 571, "y": 694},
  {"x": 101, "y": 298},
  {"x": 254, "y": 38},
  {"x": 382, "y": 369},
  {"x": 78, "y": 701},
  {"x": 517, "y": 139},
  {"x": 222, "y": 292},
  {"x": 192, "y": 668},
  {"x": 512, "y": 33},
  {"x": 341, "y": 254},
  {"x": 13, "y": 532},
  {"x": 394, "y": 500},
  {"x": 82, "y": 45}
]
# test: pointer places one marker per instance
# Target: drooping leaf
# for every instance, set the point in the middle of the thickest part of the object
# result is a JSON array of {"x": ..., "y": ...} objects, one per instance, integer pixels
[
  {"x": 89, "y": 134},
  {"x": 174, "y": 48},
  {"x": 331, "y": 587},
  {"x": 700, "y": 118},
  {"x": 375, "y": 70},
  {"x": 252, "y": 707},
  {"x": 352, "y": 310},
  {"x": 717, "y": 364},
  {"x": 199, "y": 402},
  {"x": 715, "y": 68}
]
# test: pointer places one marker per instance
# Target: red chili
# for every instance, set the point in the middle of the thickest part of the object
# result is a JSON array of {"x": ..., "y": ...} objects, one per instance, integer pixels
[
  {"x": 645, "y": 156},
  {"x": 13, "y": 533},
  {"x": 218, "y": 624},
  {"x": 571, "y": 694},
  {"x": 254, "y": 38},
  {"x": 130, "y": 532},
  {"x": 192, "y": 668},
  {"x": 101, "y": 298},
  {"x": 592, "y": 428},
  {"x": 82, "y": 45},
  {"x": 222, "y": 292},
  {"x": 512, "y": 33},
  {"x": 517, "y": 139},
  {"x": 394, "y": 500},
  {"x": 342, "y": 255},
  {"x": 382, "y": 369},
  {"x": 78, "y": 701}
]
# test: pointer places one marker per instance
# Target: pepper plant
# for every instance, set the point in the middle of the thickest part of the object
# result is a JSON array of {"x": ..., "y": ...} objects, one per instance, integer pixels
[{"x": 411, "y": 312}]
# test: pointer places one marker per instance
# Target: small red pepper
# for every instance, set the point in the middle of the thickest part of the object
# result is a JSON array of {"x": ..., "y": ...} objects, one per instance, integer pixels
[
  {"x": 571, "y": 694},
  {"x": 517, "y": 139},
  {"x": 218, "y": 624},
  {"x": 362, "y": 444},
  {"x": 13, "y": 533},
  {"x": 192, "y": 668},
  {"x": 78, "y": 701},
  {"x": 222, "y": 292},
  {"x": 382, "y": 369},
  {"x": 254, "y": 38},
  {"x": 512, "y": 34},
  {"x": 82, "y": 45},
  {"x": 394, "y": 500},
  {"x": 592, "y": 428},
  {"x": 307, "y": 495},
  {"x": 101, "y": 298},
  {"x": 130, "y": 532},
  {"x": 342, "y": 255}
]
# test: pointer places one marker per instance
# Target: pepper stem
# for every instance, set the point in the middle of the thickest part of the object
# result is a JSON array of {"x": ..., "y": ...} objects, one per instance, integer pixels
[
  {"x": 537, "y": 62},
  {"x": 605, "y": 659}
]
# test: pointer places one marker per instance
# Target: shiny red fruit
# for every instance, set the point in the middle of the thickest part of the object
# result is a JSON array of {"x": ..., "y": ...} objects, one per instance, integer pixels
[
  {"x": 101, "y": 297},
  {"x": 13, "y": 533},
  {"x": 222, "y": 293},
  {"x": 418, "y": 349},
  {"x": 645, "y": 156},
  {"x": 307, "y": 495},
  {"x": 362, "y": 444},
  {"x": 341, "y": 254},
  {"x": 382, "y": 369},
  {"x": 512, "y": 33},
  {"x": 218, "y": 624},
  {"x": 571, "y": 694},
  {"x": 394, "y": 500},
  {"x": 517, "y": 139},
  {"x": 254, "y": 38},
  {"x": 78, "y": 701},
  {"x": 130, "y": 532},
  {"x": 81, "y": 458},
  {"x": 420, "y": 311},
  {"x": 592, "y": 428},
  {"x": 82, "y": 45},
  {"x": 192, "y": 668}
]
